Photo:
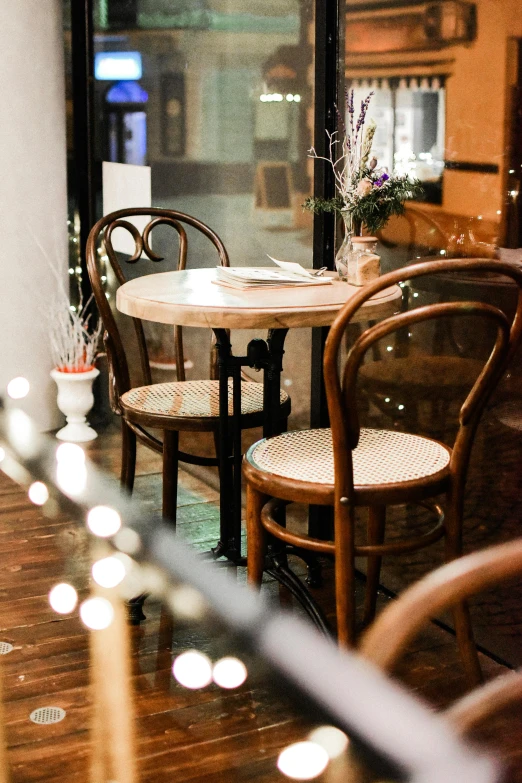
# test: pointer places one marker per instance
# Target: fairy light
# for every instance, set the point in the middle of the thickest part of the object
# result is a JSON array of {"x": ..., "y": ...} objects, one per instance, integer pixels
[
  {"x": 192, "y": 669},
  {"x": 303, "y": 760},
  {"x": 332, "y": 739},
  {"x": 96, "y": 613},
  {"x": 108, "y": 572},
  {"x": 71, "y": 476},
  {"x": 63, "y": 598},
  {"x": 103, "y": 521},
  {"x": 18, "y": 388},
  {"x": 229, "y": 673},
  {"x": 70, "y": 452},
  {"x": 38, "y": 493}
]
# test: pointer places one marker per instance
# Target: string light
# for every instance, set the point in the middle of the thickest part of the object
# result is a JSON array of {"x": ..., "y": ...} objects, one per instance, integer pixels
[
  {"x": 108, "y": 572},
  {"x": 103, "y": 521},
  {"x": 229, "y": 673},
  {"x": 63, "y": 598},
  {"x": 192, "y": 669},
  {"x": 71, "y": 477},
  {"x": 97, "y": 613},
  {"x": 18, "y": 388},
  {"x": 38, "y": 493},
  {"x": 303, "y": 760},
  {"x": 128, "y": 541},
  {"x": 332, "y": 739},
  {"x": 70, "y": 452}
]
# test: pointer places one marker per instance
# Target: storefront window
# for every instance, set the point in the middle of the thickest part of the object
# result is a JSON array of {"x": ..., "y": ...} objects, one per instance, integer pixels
[{"x": 410, "y": 117}]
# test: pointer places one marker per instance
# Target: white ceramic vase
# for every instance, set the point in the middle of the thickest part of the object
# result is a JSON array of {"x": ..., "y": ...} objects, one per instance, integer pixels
[{"x": 75, "y": 400}]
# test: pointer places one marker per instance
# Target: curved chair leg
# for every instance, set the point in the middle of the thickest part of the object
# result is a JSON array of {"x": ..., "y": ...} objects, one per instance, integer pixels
[
  {"x": 170, "y": 475},
  {"x": 256, "y": 535},
  {"x": 462, "y": 619},
  {"x": 128, "y": 456},
  {"x": 376, "y": 525},
  {"x": 345, "y": 575}
]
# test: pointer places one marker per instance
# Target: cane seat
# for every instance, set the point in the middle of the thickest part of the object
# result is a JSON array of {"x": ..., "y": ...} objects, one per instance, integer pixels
[
  {"x": 381, "y": 457},
  {"x": 191, "y": 400}
]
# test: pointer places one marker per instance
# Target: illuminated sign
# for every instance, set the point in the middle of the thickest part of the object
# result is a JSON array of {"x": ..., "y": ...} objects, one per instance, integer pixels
[{"x": 117, "y": 66}]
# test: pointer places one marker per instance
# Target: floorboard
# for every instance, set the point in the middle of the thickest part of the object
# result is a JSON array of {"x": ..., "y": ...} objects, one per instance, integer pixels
[{"x": 199, "y": 736}]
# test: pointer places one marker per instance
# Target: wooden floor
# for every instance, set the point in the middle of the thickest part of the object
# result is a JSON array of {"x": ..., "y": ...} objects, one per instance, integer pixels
[{"x": 206, "y": 735}]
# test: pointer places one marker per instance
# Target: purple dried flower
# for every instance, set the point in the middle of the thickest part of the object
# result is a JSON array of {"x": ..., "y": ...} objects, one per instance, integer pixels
[
  {"x": 340, "y": 118},
  {"x": 382, "y": 179},
  {"x": 364, "y": 109},
  {"x": 348, "y": 94}
]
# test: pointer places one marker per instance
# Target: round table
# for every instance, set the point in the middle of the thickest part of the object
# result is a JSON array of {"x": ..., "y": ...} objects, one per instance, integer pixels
[{"x": 194, "y": 298}]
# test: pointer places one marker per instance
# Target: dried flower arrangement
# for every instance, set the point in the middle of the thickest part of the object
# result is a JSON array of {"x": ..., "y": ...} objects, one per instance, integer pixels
[
  {"x": 366, "y": 195},
  {"x": 74, "y": 344}
]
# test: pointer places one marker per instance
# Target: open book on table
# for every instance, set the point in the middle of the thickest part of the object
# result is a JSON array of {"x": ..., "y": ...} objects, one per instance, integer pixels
[{"x": 287, "y": 274}]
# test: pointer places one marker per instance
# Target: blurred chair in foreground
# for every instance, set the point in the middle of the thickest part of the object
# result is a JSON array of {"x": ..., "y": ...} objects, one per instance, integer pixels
[{"x": 484, "y": 713}]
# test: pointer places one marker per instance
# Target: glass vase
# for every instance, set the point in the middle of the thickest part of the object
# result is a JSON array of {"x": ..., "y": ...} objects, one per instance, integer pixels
[{"x": 346, "y": 257}]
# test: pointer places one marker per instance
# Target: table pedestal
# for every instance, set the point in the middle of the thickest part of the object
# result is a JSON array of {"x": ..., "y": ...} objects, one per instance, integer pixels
[{"x": 266, "y": 355}]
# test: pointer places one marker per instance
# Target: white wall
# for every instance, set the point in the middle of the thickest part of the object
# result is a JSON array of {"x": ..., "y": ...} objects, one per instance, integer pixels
[{"x": 33, "y": 195}]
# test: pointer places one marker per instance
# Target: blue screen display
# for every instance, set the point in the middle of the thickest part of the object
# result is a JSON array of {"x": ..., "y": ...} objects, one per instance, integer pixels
[{"x": 117, "y": 66}]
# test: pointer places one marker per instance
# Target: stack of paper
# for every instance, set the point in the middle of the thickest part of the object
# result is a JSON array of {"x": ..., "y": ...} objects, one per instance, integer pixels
[{"x": 288, "y": 274}]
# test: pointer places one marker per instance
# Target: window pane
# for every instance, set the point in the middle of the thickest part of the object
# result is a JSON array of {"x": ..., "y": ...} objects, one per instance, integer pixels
[
  {"x": 217, "y": 98},
  {"x": 447, "y": 84}
]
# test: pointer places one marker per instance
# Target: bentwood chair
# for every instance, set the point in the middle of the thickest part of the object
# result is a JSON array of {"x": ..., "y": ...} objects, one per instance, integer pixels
[
  {"x": 178, "y": 406},
  {"x": 433, "y": 381},
  {"x": 349, "y": 467},
  {"x": 386, "y": 640}
]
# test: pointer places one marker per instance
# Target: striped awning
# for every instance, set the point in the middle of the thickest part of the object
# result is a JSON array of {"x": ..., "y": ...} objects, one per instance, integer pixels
[{"x": 406, "y": 82}]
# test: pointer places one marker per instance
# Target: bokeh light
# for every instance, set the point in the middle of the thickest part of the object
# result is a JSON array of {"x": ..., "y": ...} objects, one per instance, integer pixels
[
  {"x": 96, "y": 613},
  {"x": 193, "y": 669},
  {"x": 63, "y": 598},
  {"x": 303, "y": 760},
  {"x": 71, "y": 477},
  {"x": 18, "y": 388},
  {"x": 229, "y": 672},
  {"x": 332, "y": 739},
  {"x": 38, "y": 493},
  {"x": 103, "y": 521},
  {"x": 70, "y": 452},
  {"x": 108, "y": 572}
]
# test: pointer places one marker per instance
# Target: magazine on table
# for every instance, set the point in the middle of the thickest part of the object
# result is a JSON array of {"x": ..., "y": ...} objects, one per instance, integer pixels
[{"x": 287, "y": 274}]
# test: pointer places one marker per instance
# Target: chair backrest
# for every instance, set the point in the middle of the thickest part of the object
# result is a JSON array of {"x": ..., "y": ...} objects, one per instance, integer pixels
[
  {"x": 102, "y": 232},
  {"x": 414, "y": 230},
  {"x": 386, "y": 639},
  {"x": 341, "y": 382},
  {"x": 486, "y": 713}
]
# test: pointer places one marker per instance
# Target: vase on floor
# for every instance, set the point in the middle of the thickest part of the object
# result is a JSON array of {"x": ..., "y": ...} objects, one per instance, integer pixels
[{"x": 75, "y": 400}]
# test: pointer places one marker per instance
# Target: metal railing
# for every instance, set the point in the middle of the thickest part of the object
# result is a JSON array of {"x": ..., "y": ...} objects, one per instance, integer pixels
[{"x": 398, "y": 736}]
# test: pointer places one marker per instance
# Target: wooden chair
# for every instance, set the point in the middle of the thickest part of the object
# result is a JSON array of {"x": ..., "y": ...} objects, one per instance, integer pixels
[
  {"x": 435, "y": 380},
  {"x": 348, "y": 467},
  {"x": 175, "y": 407},
  {"x": 386, "y": 640}
]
